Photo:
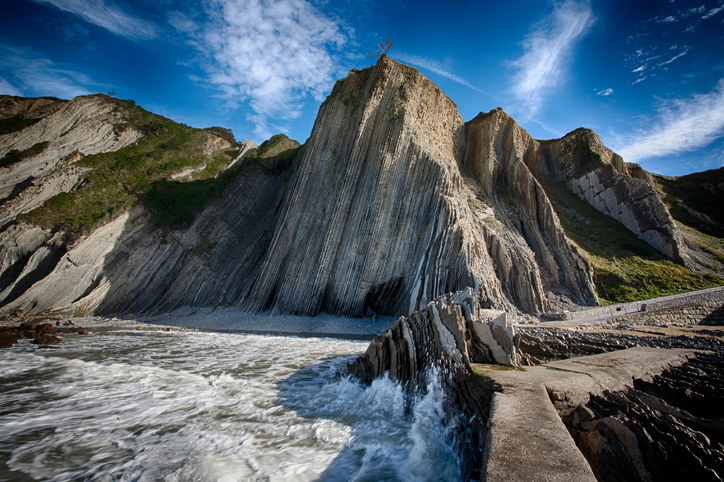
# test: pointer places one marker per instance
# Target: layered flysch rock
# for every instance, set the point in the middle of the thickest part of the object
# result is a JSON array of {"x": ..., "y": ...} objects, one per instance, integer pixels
[
  {"x": 620, "y": 190},
  {"x": 65, "y": 132},
  {"x": 395, "y": 202},
  {"x": 442, "y": 340},
  {"x": 398, "y": 201},
  {"x": 127, "y": 267}
]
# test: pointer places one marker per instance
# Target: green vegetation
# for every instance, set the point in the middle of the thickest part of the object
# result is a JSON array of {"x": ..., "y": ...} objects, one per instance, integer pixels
[
  {"x": 141, "y": 173},
  {"x": 222, "y": 132},
  {"x": 696, "y": 200},
  {"x": 14, "y": 156},
  {"x": 584, "y": 160},
  {"x": 176, "y": 203},
  {"x": 15, "y": 123},
  {"x": 384, "y": 48},
  {"x": 626, "y": 268}
]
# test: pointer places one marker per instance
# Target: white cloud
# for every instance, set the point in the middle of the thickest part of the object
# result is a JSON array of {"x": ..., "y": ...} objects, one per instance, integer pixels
[
  {"x": 6, "y": 88},
  {"x": 106, "y": 16},
  {"x": 605, "y": 92},
  {"x": 35, "y": 75},
  {"x": 269, "y": 53},
  {"x": 712, "y": 12},
  {"x": 435, "y": 67},
  {"x": 547, "y": 48},
  {"x": 682, "y": 125},
  {"x": 677, "y": 56}
]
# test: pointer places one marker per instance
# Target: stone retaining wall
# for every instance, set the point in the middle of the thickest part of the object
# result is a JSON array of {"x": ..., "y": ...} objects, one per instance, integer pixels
[{"x": 704, "y": 306}]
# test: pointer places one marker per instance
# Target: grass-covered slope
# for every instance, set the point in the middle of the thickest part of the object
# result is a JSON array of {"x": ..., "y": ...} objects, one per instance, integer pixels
[
  {"x": 695, "y": 201},
  {"x": 142, "y": 172},
  {"x": 175, "y": 203},
  {"x": 626, "y": 268}
]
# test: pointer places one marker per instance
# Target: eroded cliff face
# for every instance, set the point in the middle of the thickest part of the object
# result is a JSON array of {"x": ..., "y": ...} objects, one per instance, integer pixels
[
  {"x": 539, "y": 261},
  {"x": 61, "y": 133},
  {"x": 395, "y": 202},
  {"x": 383, "y": 217}
]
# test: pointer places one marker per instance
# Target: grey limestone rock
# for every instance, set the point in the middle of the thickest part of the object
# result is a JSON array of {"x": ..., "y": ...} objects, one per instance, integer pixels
[{"x": 397, "y": 201}]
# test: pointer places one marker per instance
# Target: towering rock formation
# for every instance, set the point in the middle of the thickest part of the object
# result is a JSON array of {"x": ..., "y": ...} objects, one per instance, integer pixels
[
  {"x": 620, "y": 190},
  {"x": 398, "y": 201}
]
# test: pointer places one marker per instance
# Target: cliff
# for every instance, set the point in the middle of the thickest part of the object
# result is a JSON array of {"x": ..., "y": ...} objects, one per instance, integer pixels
[
  {"x": 392, "y": 202},
  {"x": 393, "y": 205}
]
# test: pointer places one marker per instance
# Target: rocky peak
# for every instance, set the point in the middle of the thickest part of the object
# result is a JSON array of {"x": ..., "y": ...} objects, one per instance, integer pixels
[{"x": 396, "y": 202}]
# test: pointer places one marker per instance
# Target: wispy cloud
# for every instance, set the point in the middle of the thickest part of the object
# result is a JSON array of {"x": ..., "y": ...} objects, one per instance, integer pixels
[
  {"x": 547, "y": 49},
  {"x": 650, "y": 63},
  {"x": 6, "y": 88},
  {"x": 712, "y": 12},
  {"x": 681, "y": 125},
  {"x": 269, "y": 53},
  {"x": 433, "y": 66},
  {"x": 28, "y": 73},
  {"x": 107, "y": 16},
  {"x": 605, "y": 92}
]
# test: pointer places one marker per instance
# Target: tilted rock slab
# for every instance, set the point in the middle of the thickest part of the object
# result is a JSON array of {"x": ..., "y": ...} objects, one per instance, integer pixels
[
  {"x": 439, "y": 340},
  {"x": 620, "y": 190},
  {"x": 127, "y": 266},
  {"x": 395, "y": 202}
]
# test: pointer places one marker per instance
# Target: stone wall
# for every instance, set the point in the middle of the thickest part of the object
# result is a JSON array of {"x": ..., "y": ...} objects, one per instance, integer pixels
[{"x": 704, "y": 306}]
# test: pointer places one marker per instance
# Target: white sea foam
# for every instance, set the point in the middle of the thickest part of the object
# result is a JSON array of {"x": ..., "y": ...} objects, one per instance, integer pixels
[{"x": 204, "y": 406}]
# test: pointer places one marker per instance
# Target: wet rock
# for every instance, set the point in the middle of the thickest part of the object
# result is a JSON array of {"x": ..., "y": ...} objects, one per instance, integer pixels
[
  {"x": 43, "y": 329},
  {"x": 440, "y": 337},
  {"x": 28, "y": 326},
  {"x": 8, "y": 337},
  {"x": 46, "y": 340}
]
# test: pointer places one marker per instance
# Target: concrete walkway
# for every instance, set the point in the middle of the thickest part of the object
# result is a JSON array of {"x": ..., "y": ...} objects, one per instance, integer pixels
[{"x": 527, "y": 439}]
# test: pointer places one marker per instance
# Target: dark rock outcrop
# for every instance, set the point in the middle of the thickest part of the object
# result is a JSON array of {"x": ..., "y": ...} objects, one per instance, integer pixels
[
  {"x": 543, "y": 344},
  {"x": 669, "y": 428}
]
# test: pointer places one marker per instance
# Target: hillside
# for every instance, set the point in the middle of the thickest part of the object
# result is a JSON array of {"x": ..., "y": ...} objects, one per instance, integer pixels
[{"x": 393, "y": 201}]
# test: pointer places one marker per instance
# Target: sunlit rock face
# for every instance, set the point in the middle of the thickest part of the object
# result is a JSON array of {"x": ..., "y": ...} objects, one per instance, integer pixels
[
  {"x": 621, "y": 190},
  {"x": 398, "y": 201},
  {"x": 394, "y": 202}
]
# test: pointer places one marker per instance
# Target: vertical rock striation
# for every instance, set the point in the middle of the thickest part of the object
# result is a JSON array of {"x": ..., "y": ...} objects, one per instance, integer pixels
[
  {"x": 441, "y": 340},
  {"x": 383, "y": 217},
  {"x": 394, "y": 202}
]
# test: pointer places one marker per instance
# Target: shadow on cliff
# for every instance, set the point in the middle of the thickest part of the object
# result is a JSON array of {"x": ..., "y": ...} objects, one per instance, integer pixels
[
  {"x": 181, "y": 255},
  {"x": 389, "y": 434}
]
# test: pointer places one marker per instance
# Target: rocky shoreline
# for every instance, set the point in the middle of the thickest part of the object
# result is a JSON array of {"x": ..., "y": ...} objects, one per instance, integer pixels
[
  {"x": 628, "y": 429},
  {"x": 446, "y": 336},
  {"x": 667, "y": 428}
]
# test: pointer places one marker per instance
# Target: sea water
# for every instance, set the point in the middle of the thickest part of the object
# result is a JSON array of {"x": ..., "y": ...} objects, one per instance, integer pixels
[{"x": 207, "y": 406}]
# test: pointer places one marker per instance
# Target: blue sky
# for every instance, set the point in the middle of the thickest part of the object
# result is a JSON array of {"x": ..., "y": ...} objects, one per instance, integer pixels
[{"x": 648, "y": 76}]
